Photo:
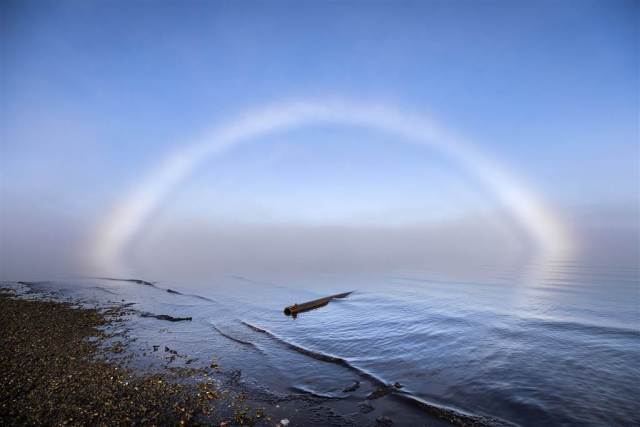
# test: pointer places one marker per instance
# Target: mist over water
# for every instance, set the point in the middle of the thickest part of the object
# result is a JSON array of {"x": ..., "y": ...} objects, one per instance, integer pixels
[{"x": 463, "y": 313}]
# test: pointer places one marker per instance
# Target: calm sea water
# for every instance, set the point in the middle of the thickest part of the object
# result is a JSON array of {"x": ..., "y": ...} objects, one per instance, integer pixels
[{"x": 555, "y": 343}]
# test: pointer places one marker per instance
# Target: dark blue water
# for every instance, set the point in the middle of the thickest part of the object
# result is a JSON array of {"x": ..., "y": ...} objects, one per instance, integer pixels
[{"x": 554, "y": 343}]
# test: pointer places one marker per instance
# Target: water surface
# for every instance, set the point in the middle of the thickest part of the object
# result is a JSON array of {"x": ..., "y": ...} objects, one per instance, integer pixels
[{"x": 554, "y": 343}]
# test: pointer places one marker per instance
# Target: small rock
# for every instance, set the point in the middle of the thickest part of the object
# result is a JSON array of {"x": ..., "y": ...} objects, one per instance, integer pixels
[
  {"x": 365, "y": 408},
  {"x": 235, "y": 376},
  {"x": 382, "y": 391},
  {"x": 384, "y": 422},
  {"x": 352, "y": 387},
  {"x": 284, "y": 422}
]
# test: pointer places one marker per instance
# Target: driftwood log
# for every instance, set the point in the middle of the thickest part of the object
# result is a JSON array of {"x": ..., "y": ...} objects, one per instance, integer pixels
[{"x": 294, "y": 309}]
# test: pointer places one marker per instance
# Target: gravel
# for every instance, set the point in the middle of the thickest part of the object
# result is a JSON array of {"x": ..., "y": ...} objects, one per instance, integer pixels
[{"x": 54, "y": 371}]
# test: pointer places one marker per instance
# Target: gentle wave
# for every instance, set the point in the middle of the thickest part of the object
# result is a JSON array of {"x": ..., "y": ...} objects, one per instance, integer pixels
[
  {"x": 581, "y": 327},
  {"x": 308, "y": 392},
  {"x": 238, "y": 340},
  {"x": 317, "y": 355},
  {"x": 152, "y": 285},
  {"x": 455, "y": 416}
]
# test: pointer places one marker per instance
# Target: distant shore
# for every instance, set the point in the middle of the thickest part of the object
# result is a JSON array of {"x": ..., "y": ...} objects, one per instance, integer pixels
[{"x": 55, "y": 369}]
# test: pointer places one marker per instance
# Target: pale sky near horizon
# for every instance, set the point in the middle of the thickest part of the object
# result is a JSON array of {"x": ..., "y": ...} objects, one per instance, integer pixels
[{"x": 94, "y": 94}]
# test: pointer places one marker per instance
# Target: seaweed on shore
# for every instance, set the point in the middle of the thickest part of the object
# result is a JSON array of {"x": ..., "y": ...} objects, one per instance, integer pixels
[{"x": 166, "y": 317}]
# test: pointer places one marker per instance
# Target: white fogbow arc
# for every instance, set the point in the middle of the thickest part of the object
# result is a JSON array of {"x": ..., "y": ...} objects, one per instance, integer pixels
[{"x": 128, "y": 216}]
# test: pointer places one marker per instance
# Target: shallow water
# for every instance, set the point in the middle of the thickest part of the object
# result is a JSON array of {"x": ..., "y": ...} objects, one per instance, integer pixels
[{"x": 554, "y": 343}]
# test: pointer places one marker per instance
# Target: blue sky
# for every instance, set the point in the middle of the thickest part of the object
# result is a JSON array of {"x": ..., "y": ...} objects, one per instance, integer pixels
[{"x": 95, "y": 93}]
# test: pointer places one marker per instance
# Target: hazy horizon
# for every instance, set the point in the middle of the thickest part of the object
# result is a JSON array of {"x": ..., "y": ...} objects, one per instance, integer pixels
[{"x": 528, "y": 111}]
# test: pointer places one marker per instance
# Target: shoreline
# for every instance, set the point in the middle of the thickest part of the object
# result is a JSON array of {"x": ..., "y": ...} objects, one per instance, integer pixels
[
  {"x": 60, "y": 365},
  {"x": 88, "y": 369},
  {"x": 169, "y": 386}
]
